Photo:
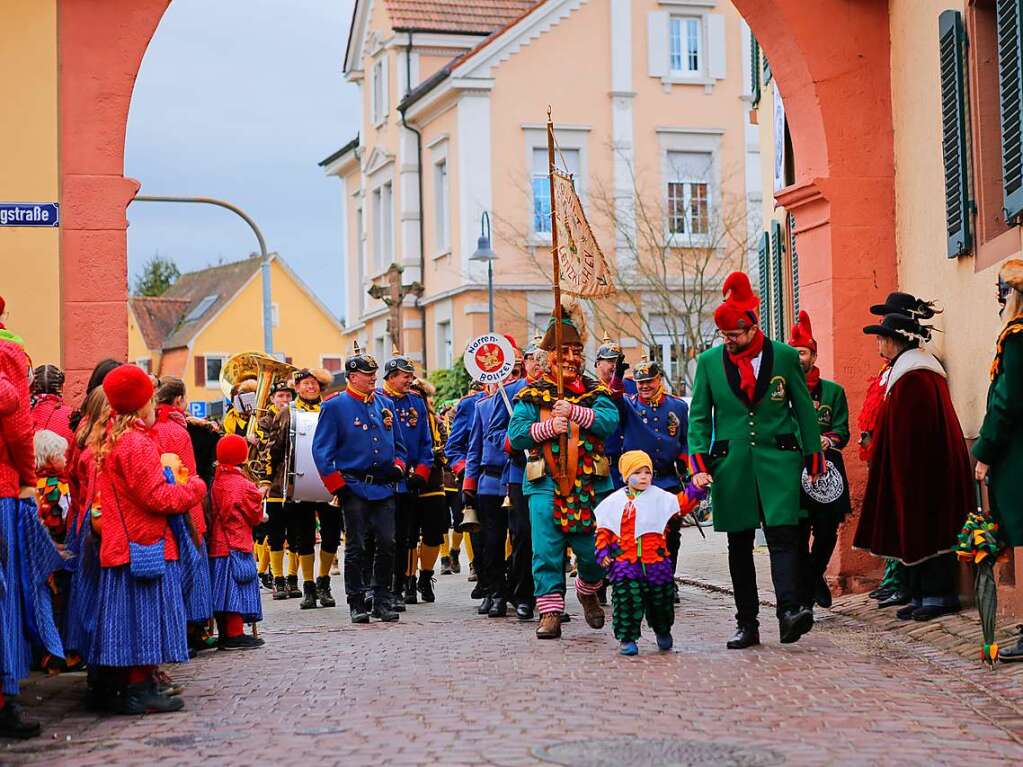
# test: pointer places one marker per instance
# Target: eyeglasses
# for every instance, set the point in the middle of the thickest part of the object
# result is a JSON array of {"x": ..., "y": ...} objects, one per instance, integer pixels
[{"x": 733, "y": 335}]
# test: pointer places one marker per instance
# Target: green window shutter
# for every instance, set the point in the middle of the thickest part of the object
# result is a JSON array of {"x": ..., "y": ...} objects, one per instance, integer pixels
[
  {"x": 1010, "y": 87},
  {"x": 794, "y": 259},
  {"x": 951, "y": 43},
  {"x": 766, "y": 67},
  {"x": 764, "y": 275},
  {"x": 777, "y": 288},
  {"x": 754, "y": 69}
]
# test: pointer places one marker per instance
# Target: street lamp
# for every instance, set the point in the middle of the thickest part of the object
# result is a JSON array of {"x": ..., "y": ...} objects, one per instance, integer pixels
[{"x": 485, "y": 253}]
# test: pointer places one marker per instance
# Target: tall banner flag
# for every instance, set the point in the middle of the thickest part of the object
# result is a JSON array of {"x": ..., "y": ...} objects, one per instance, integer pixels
[{"x": 584, "y": 270}]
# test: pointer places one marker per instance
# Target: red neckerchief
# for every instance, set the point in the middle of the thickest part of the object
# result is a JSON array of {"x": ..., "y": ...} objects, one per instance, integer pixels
[
  {"x": 226, "y": 469},
  {"x": 813, "y": 378},
  {"x": 355, "y": 393},
  {"x": 576, "y": 385},
  {"x": 166, "y": 413},
  {"x": 744, "y": 361}
]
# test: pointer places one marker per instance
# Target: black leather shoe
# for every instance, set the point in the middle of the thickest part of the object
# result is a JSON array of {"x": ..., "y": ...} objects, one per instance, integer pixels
[
  {"x": 1013, "y": 654},
  {"x": 485, "y": 605},
  {"x": 13, "y": 725},
  {"x": 822, "y": 594},
  {"x": 794, "y": 623},
  {"x": 897, "y": 598},
  {"x": 524, "y": 611},
  {"x": 745, "y": 636},
  {"x": 930, "y": 613},
  {"x": 499, "y": 609},
  {"x": 906, "y": 613},
  {"x": 881, "y": 593},
  {"x": 411, "y": 595},
  {"x": 382, "y": 611},
  {"x": 478, "y": 591},
  {"x": 425, "y": 586},
  {"x": 358, "y": 610}
]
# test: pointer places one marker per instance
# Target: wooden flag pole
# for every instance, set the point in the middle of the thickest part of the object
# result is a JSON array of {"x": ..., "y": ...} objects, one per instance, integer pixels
[{"x": 556, "y": 274}]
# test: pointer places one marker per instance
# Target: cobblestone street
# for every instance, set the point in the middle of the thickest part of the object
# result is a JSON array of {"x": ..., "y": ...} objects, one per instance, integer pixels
[{"x": 447, "y": 687}]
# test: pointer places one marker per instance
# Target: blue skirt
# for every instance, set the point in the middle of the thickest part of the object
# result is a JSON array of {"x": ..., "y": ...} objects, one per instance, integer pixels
[
  {"x": 27, "y": 558},
  {"x": 235, "y": 586},
  {"x": 195, "y": 573},
  {"x": 140, "y": 622},
  {"x": 83, "y": 592}
]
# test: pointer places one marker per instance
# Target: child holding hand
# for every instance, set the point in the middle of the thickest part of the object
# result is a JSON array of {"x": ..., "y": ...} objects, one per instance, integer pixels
[{"x": 631, "y": 546}]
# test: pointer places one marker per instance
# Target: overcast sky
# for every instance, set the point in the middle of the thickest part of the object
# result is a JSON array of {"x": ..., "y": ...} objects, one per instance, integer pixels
[{"x": 240, "y": 99}]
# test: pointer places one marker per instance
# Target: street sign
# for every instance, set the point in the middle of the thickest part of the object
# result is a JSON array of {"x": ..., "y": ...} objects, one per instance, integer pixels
[
  {"x": 45, "y": 214},
  {"x": 489, "y": 359},
  {"x": 197, "y": 409}
]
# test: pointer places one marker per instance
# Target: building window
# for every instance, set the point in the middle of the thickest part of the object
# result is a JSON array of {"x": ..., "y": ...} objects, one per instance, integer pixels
[
  {"x": 146, "y": 363},
  {"x": 440, "y": 193},
  {"x": 379, "y": 350},
  {"x": 689, "y": 192},
  {"x": 685, "y": 45},
  {"x": 383, "y": 226},
  {"x": 213, "y": 367},
  {"x": 332, "y": 364},
  {"x": 201, "y": 308},
  {"x": 360, "y": 256},
  {"x": 444, "y": 344},
  {"x": 275, "y": 315},
  {"x": 567, "y": 160},
  {"x": 379, "y": 91},
  {"x": 539, "y": 323}
]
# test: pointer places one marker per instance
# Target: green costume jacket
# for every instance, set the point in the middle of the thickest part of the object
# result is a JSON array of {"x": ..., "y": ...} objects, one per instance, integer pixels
[
  {"x": 573, "y": 513},
  {"x": 754, "y": 450},
  {"x": 1000, "y": 444},
  {"x": 833, "y": 421}
]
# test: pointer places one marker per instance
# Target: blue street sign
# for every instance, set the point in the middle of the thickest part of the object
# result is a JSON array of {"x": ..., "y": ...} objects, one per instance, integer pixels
[
  {"x": 197, "y": 409},
  {"x": 46, "y": 214}
]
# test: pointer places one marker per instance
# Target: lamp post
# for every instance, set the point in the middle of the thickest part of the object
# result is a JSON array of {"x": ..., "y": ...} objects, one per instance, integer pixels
[{"x": 485, "y": 253}]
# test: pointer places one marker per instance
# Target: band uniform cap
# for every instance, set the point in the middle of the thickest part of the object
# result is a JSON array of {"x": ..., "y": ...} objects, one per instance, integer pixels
[
  {"x": 360, "y": 361},
  {"x": 646, "y": 370},
  {"x": 323, "y": 377},
  {"x": 282, "y": 385},
  {"x": 399, "y": 363},
  {"x": 632, "y": 461},
  {"x": 905, "y": 304},
  {"x": 533, "y": 346},
  {"x": 739, "y": 309},
  {"x": 609, "y": 350},
  {"x": 801, "y": 336},
  {"x": 901, "y": 328},
  {"x": 232, "y": 450},
  {"x": 128, "y": 389}
]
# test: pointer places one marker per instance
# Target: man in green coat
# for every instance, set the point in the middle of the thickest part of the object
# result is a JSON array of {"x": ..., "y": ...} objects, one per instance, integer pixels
[
  {"x": 561, "y": 503},
  {"x": 752, "y": 426},
  {"x": 999, "y": 448}
]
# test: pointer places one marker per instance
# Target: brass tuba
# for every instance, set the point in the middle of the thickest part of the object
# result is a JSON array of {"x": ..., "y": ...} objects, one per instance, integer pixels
[{"x": 267, "y": 371}]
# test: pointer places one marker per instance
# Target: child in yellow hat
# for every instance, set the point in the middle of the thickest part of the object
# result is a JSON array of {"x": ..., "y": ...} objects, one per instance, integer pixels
[{"x": 631, "y": 546}]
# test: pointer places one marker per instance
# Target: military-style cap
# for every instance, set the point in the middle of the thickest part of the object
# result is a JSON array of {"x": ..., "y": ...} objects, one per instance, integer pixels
[
  {"x": 533, "y": 346},
  {"x": 646, "y": 370},
  {"x": 609, "y": 350},
  {"x": 398, "y": 363},
  {"x": 360, "y": 361},
  {"x": 282, "y": 385}
]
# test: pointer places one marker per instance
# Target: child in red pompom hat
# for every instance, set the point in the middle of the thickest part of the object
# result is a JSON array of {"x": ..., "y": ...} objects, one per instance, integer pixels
[{"x": 237, "y": 508}]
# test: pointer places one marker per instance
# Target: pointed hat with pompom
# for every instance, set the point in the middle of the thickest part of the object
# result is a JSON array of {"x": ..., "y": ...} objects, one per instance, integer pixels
[
  {"x": 802, "y": 334},
  {"x": 739, "y": 309}
]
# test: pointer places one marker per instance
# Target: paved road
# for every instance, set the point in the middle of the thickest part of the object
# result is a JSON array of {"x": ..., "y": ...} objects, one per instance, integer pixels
[{"x": 447, "y": 687}]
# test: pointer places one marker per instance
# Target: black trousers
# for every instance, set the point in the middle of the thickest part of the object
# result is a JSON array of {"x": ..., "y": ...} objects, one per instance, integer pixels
[
  {"x": 454, "y": 501},
  {"x": 362, "y": 519},
  {"x": 520, "y": 574},
  {"x": 933, "y": 581},
  {"x": 491, "y": 568},
  {"x": 278, "y": 527},
  {"x": 816, "y": 554},
  {"x": 783, "y": 544},
  {"x": 303, "y": 516}
]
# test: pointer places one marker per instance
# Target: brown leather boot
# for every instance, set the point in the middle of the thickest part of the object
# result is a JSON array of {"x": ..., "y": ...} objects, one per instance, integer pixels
[
  {"x": 592, "y": 610},
  {"x": 550, "y": 626}
]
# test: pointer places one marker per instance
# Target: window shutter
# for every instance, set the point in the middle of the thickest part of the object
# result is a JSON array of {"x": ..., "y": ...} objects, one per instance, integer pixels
[
  {"x": 1010, "y": 86},
  {"x": 200, "y": 370},
  {"x": 764, "y": 278},
  {"x": 766, "y": 68},
  {"x": 794, "y": 259},
  {"x": 777, "y": 289},
  {"x": 657, "y": 43},
  {"x": 754, "y": 69},
  {"x": 953, "y": 132},
  {"x": 716, "y": 67}
]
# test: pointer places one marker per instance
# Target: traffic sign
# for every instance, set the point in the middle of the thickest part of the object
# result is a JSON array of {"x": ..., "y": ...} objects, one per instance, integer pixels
[
  {"x": 489, "y": 359},
  {"x": 44, "y": 214},
  {"x": 197, "y": 409}
]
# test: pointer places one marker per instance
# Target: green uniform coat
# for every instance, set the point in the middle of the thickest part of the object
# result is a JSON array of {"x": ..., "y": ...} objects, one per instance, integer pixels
[
  {"x": 755, "y": 451},
  {"x": 1000, "y": 444},
  {"x": 833, "y": 421}
]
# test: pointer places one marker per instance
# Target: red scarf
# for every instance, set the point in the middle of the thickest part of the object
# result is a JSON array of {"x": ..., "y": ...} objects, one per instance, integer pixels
[
  {"x": 813, "y": 378},
  {"x": 744, "y": 361}
]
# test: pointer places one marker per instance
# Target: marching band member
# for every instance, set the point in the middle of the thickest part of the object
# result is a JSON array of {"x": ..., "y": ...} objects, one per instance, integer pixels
[
  {"x": 751, "y": 426},
  {"x": 399, "y": 372},
  {"x": 236, "y": 419},
  {"x": 281, "y": 526},
  {"x": 610, "y": 365},
  {"x": 360, "y": 455},
  {"x": 455, "y": 450},
  {"x": 561, "y": 508},
  {"x": 303, "y": 514},
  {"x": 833, "y": 420},
  {"x": 658, "y": 424},
  {"x": 429, "y": 524}
]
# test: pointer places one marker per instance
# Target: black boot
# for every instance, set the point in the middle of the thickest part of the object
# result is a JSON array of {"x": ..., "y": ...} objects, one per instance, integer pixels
[
  {"x": 358, "y": 610},
  {"x": 280, "y": 588},
  {"x": 794, "y": 623},
  {"x": 13, "y": 725},
  {"x": 524, "y": 611},
  {"x": 498, "y": 609},
  {"x": 267, "y": 579},
  {"x": 323, "y": 591},
  {"x": 293, "y": 590},
  {"x": 425, "y": 586},
  {"x": 745, "y": 636},
  {"x": 456, "y": 566},
  {"x": 411, "y": 597},
  {"x": 484, "y": 608},
  {"x": 822, "y": 594},
  {"x": 445, "y": 566},
  {"x": 309, "y": 598},
  {"x": 1013, "y": 654},
  {"x": 382, "y": 609},
  {"x": 144, "y": 699}
]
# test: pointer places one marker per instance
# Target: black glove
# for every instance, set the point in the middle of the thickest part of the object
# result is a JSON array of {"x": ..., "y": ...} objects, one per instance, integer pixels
[
  {"x": 469, "y": 499},
  {"x": 415, "y": 482},
  {"x": 340, "y": 494},
  {"x": 621, "y": 366},
  {"x": 395, "y": 474}
]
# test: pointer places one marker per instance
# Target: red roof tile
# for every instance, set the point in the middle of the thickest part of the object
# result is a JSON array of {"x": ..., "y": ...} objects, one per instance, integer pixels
[
  {"x": 476, "y": 17},
  {"x": 157, "y": 317}
]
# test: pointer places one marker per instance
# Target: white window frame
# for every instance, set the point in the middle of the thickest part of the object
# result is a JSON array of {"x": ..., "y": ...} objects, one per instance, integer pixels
[
  {"x": 569, "y": 137},
  {"x": 684, "y": 25},
  {"x": 445, "y": 344},
  {"x": 360, "y": 253},
  {"x": 275, "y": 315},
  {"x": 701, "y": 141},
  {"x": 215, "y": 383},
  {"x": 687, "y": 184},
  {"x": 378, "y": 93},
  {"x": 442, "y": 207},
  {"x": 383, "y": 226}
]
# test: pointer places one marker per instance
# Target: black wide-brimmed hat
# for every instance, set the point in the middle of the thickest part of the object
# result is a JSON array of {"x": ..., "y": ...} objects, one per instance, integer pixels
[
  {"x": 905, "y": 304},
  {"x": 901, "y": 328}
]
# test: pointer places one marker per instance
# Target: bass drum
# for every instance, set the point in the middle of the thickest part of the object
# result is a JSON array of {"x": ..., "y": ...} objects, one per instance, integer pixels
[{"x": 304, "y": 482}]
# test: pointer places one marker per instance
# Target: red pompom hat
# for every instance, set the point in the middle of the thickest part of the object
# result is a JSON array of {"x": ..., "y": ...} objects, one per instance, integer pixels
[
  {"x": 232, "y": 450},
  {"x": 128, "y": 389},
  {"x": 739, "y": 309},
  {"x": 518, "y": 352},
  {"x": 802, "y": 334}
]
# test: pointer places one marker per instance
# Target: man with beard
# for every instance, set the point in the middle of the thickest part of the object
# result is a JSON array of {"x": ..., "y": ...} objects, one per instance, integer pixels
[
  {"x": 752, "y": 425},
  {"x": 567, "y": 473}
]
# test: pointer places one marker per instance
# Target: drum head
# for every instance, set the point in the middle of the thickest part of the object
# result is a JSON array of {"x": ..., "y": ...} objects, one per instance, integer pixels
[{"x": 306, "y": 484}]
